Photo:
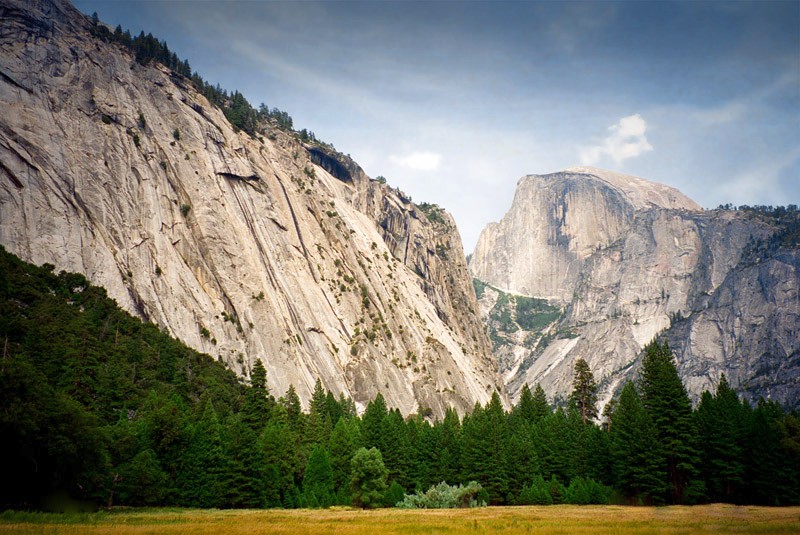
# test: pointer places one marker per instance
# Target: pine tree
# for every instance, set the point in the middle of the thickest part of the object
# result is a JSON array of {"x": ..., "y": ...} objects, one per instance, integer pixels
[
  {"x": 395, "y": 448},
  {"x": 637, "y": 462},
  {"x": 345, "y": 440},
  {"x": 372, "y": 420},
  {"x": 484, "y": 449},
  {"x": 540, "y": 406},
  {"x": 368, "y": 478},
  {"x": 257, "y": 402},
  {"x": 244, "y": 479},
  {"x": 773, "y": 454},
  {"x": 720, "y": 422},
  {"x": 318, "y": 479},
  {"x": 278, "y": 445},
  {"x": 584, "y": 391},
  {"x": 142, "y": 481},
  {"x": 318, "y": 425},
  {"x": 291, "y": 403},
  {"x": 523, "y": 459},
  {"x": 445, "y": 450},
  {"x": 204, "y": 462},
  {"x": 525, "y": 408},
  {"x": 668, "y": 405}
]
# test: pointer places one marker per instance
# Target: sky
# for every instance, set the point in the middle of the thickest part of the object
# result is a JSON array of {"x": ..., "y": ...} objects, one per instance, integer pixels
[{"x": 453, "y": 102}]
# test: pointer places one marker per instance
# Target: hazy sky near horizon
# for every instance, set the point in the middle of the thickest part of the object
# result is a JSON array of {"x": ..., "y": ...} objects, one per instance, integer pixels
[{"x": 454, "y": 101}]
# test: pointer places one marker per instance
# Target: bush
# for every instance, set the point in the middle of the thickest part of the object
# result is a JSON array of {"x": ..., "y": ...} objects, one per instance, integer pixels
[
  {"x": 444, "y": 496},
  {"x": 185, "y": 209}
]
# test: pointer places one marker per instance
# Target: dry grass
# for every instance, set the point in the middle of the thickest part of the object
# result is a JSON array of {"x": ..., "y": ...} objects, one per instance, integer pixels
[{"x": 555, "y": 519}]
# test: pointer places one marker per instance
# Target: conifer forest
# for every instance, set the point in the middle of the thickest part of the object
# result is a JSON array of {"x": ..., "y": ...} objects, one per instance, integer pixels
[{"x": 111, "y": 410}]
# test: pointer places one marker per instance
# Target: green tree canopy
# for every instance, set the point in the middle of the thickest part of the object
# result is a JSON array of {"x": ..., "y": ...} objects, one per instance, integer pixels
[{"x": 368, "y": 478}]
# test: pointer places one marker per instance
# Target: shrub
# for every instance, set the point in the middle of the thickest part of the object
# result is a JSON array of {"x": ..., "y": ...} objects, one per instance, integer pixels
[
  {"x": 185, "y": 208},
  {"x": 176, "y": 134},
  {"x": 444, "y": 496}
]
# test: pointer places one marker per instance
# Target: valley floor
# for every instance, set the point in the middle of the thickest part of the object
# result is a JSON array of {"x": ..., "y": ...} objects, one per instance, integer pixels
[{"x": 716, "y": 518}]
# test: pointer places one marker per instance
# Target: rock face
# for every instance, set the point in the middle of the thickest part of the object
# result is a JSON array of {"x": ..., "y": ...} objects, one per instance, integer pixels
[
  {"x": 623, "y": 261},
  {"x": 243, "y": 248}
]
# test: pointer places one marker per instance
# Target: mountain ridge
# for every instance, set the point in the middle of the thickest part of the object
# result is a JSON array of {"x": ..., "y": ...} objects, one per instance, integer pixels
[
  {"x": 247, "y": 247},
  {"x": 620, "y": 275}
]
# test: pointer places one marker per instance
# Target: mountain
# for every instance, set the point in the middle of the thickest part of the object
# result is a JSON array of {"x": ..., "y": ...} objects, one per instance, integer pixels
[
  {"x": 267, "y": 246},
  {"x": 593, "y": 264}
]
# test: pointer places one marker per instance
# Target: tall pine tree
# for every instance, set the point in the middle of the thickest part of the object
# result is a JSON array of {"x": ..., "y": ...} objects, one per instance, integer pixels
[
  {"x": 636, "y": 458},
  {"x": 584, "y": 391},
  {"x": 670, "y": 410}
]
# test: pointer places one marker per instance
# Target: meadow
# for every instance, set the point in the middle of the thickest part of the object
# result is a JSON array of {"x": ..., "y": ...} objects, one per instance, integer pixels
[{"x": 715, "y": 518}]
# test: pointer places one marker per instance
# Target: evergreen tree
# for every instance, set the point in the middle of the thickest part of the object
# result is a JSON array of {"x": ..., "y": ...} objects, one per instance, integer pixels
[
  {"x": 557, "y": 440},
  {"x": 203, "y": 471},
  {"x": 345, "y": 440},
  {"x": 395, "y": 448},
  {"x": 584, "y": 391},
  {"x": 368, "y": 478},
  {"x": 142, "y": 481},
  {"x": 445, "y": 450},
  {"x": 540, "y": 406},
  {"x": 773, "y": 470},
  {"x": 636, "y": 457},
  {"x": 318, "y": 486},
  {"x": 244, "y": 481},
  {"x": 720, "y": 422},
  {"x": 525, "y": 409},
  {"x": 257, "y": 402},
  {"x": 484, "y": 449},
  {"x": 668, "y": 405},
  {"x": 523, "y": 458},
  {"x": 372, "y": 421},
  {"x": 278, "y": 445},
  {"x": 318, "y": 425},
  {"x": 536, "y": 493},
  {"x": 293, "y": 408}
]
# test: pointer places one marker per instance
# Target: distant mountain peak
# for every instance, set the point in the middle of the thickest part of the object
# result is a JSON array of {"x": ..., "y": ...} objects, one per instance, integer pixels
[{"x": 642, "y": 193}]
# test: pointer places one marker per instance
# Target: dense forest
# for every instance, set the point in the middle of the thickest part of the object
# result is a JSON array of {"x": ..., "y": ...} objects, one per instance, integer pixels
[{"x": 112, "y": 410}]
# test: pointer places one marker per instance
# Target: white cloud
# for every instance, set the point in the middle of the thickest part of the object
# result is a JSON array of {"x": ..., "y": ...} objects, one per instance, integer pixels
[
  {"x": 626, "y": 140},
  {"x": 420, "y": 161}
]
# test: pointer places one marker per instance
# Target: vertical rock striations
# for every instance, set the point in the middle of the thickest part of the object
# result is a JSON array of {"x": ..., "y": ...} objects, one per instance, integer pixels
[
  {"x": 625, "y": 260},
  {"x": 244, "y": 248}
]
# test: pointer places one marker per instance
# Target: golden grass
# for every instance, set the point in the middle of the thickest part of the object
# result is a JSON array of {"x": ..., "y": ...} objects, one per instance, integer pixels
[{"x": 708, "y": 519}]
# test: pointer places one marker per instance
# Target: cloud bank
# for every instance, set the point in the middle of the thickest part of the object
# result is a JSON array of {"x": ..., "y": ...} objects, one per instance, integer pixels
[{"x": 626, "y": 140}]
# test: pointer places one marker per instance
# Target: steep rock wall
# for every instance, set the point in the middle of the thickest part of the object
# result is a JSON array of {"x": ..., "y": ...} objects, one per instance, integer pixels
[
  {"x": 244, "y": 248},
  {"x": 662, "y": 268}
]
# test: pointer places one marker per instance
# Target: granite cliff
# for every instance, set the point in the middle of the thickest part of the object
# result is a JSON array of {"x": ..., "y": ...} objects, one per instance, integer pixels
[
  {"x": 615, "y": 261},
  {"x": 245, "y": 247}
]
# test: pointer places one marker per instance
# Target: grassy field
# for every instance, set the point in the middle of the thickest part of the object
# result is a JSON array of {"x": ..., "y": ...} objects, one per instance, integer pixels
[{"x": 555, "y": 519}]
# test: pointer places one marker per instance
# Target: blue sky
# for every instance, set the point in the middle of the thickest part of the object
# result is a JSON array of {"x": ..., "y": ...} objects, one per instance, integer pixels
[{"x": 454, "y": 101}]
